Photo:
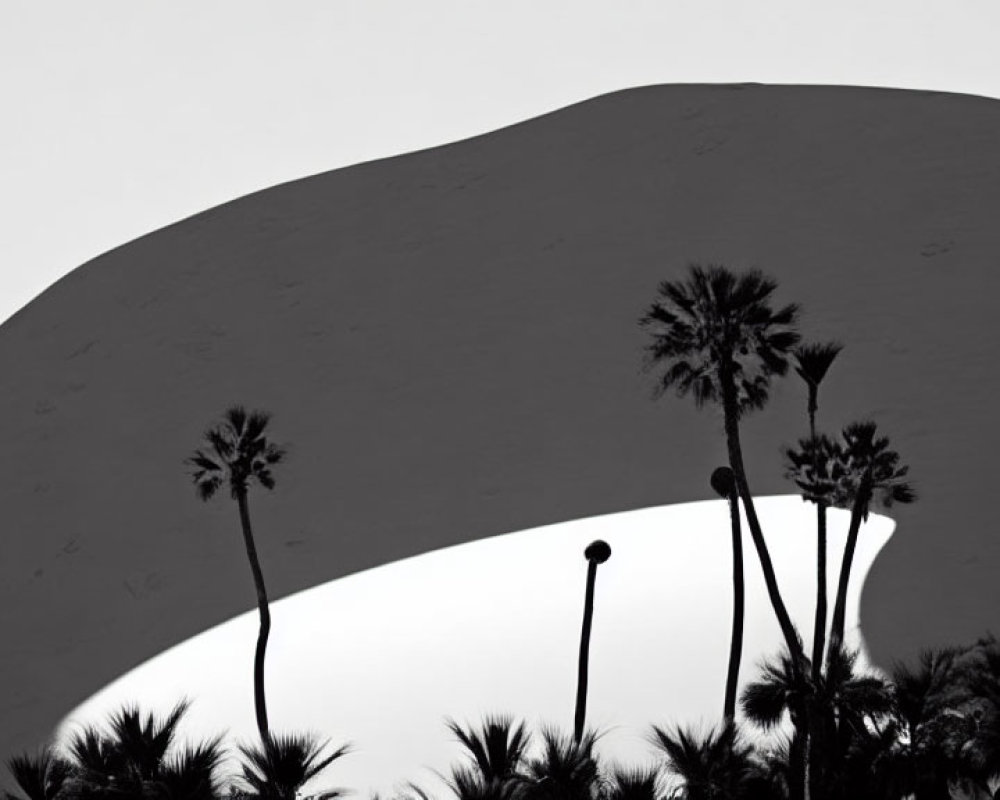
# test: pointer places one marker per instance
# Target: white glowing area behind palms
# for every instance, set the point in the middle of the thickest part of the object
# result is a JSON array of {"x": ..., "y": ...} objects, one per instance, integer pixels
[{"x": 381, "y": 657}]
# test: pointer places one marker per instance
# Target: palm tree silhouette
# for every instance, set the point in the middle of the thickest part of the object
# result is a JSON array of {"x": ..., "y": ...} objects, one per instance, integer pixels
[
  {"x": 40, "y": 777},
  {"x": 566, "y": 768},
  {"x": 870, "y": 472},
  {"x": 497, "y": 752},
  {"x": 711, "y": 766},
  {"x": 136, "y": 758},
  {"x": 724, "y": 484},
  {"x": 238, "y": 453},
  {"x": 636, "y": 783},
  {"x": 812, "y": 362},
  {"x": 597, "y": 552},
  {"x": 278, "y": 767},
  {"x": 719, "y": 340}
]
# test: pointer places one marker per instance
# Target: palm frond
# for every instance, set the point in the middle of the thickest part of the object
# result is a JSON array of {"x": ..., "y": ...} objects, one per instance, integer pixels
[
  {"x": 278, "y": 768},
  {"x": 813, "y": 361},
  {"x": 713, "y": 317}
]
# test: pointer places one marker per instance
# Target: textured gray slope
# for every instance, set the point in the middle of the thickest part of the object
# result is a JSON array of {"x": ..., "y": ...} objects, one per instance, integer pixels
[{"x": 448, "y": 340}]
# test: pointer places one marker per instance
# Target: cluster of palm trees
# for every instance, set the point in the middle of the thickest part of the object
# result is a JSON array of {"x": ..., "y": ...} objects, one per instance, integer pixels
[
  {"x": 136, "y": 757},
  {"x": 715, "y": 336}
]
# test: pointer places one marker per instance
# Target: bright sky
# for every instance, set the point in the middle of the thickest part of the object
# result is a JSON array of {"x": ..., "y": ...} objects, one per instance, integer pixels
[
  {"x": 122, "y": 117},
  {"x": 494, "y": 626}
]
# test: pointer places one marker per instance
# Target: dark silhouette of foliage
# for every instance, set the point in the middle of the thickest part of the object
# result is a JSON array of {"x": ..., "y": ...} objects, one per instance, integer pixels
[
  {"x": 635, "y": 783},
  {"x": 871, "y": 473},
  {"x": 566, "y": 768},
  {"x": 496, "y": 751},
  {"x": 281, "y": 765},
  {"x": 717, "y": 328},
  {"x": 238, "y": 453},
  {"x": 712, "y": 766},
  {"x": 136, "y": 757},
  {"x": 39, "y": 777},
  {"x": 812, "y": 361},
  {"x": 717, "y": 338}
]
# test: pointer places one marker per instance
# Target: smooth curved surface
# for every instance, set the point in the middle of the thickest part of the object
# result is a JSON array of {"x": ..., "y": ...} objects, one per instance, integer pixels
[
  {"x": 381, "y": 657},
  {"x": 448, "y": 342}
]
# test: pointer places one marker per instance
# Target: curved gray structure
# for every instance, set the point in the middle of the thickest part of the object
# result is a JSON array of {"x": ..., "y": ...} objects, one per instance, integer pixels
[{"x": 448, "y": 342}]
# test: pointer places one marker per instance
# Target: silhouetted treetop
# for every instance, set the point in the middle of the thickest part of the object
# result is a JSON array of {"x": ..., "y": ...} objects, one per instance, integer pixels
[
  {"x": 236, "y": 452},
  {"x": 716, "y": 321}
]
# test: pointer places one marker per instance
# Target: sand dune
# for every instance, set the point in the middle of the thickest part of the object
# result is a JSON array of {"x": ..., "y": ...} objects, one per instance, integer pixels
[{"x": 448, "y": 340}]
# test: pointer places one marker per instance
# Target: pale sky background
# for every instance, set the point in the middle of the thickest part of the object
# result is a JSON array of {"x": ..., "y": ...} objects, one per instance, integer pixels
[{"x": 122, "y": 117}]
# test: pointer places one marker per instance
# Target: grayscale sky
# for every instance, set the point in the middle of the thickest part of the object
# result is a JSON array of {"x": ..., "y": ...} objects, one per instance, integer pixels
[{"x": 122, "y": 117}]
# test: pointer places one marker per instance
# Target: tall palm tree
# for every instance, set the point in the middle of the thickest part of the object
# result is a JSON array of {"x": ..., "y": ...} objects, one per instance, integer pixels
[
  {"x": 718, "y": 339},
  {"x": 812, "y": 362},
  {"x": 237, "y": 453},
  {"x": 597, "y": 552},
  {"x": 842, "y": 704},
  {"x": 278, "y": 767},
  {"x": 724, "y": 484},
  {"x": 871, "y": 473}
]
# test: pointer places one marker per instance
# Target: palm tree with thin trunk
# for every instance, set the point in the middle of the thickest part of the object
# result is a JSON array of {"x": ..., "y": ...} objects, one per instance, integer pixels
[
  {"x": 597, "y": 552},
  {"x": 237, "y": 453},
  {"x": 724, "y": 484},
  {"x": 718, "y": 339},
  {"x": 871, "y": 472},
  {"x": 812, "y": 362}
]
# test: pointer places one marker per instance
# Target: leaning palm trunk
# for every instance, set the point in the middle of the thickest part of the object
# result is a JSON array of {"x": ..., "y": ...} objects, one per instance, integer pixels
[
  {"x": 858, "y": 510},
  {"x": 736, "y": 640},
  {"x": 260, "y": 704},
  {"x": 739, "y": 472},
  {"x": 799, "y": 784}
]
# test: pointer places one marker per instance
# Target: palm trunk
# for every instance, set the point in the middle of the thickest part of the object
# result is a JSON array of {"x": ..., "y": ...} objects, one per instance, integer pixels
[
  {"x": 736, "y": 641},
  {"x": 819, "y": 625},
  {"x": 731, "y": 417},
  {"x": 581, "y": 686},
  {"x": 839, "y": 608},
  {"x": 814, "y": 741},
  {"x": 260, "y": 704},
  {"x": 730, "y": 409}
]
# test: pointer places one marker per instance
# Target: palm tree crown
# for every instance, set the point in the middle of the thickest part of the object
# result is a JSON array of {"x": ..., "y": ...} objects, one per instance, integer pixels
[
  {"x": 817, "y": 467},
  {"x": 714, "y": 320},
  {"x": 866, "y": 453},
  {"x": 238, "y": 452},
  {"x": 813, "y": 360},
  {"x": 281, "y": 765},
  {"x": 830, "y": 472}
]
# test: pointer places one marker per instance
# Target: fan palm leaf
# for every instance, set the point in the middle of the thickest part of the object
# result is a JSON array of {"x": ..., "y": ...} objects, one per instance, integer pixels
[{"x": 281, "y": 765}]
